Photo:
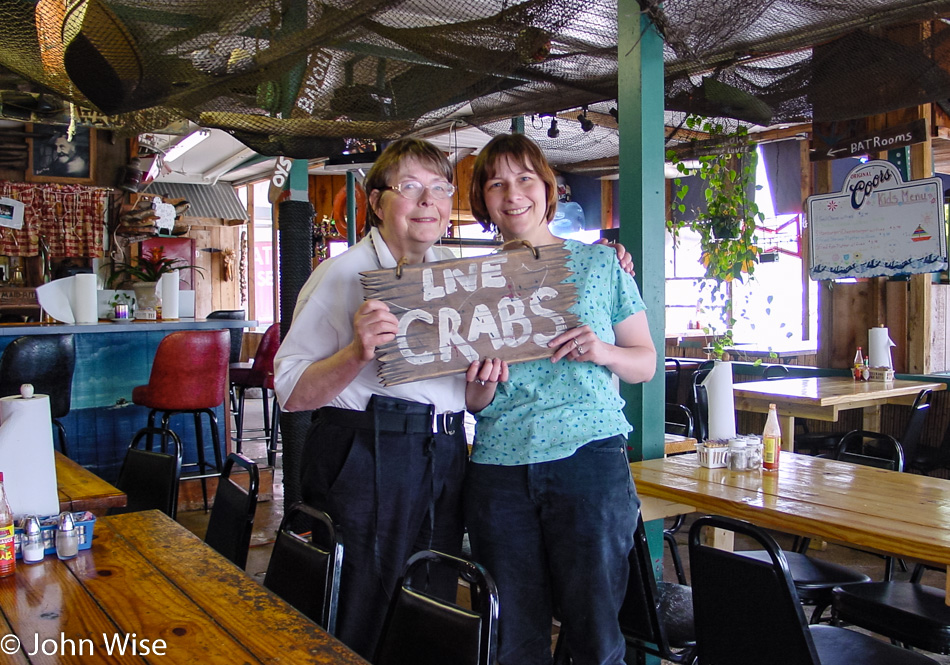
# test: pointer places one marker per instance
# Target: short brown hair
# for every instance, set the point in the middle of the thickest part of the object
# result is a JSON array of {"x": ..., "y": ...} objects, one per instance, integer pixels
[
  {"x": 388, "y": 162},
  {"x": 522, "y": 150}
]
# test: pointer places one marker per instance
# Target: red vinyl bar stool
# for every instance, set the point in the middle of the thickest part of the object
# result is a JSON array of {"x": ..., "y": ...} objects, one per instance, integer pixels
[
  {"x": 253, "y": 375},
  {"x": 189, "y": 375}
]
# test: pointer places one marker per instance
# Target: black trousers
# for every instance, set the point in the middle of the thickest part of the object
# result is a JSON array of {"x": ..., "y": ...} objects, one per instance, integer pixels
[{"x": 393, "y": 493}]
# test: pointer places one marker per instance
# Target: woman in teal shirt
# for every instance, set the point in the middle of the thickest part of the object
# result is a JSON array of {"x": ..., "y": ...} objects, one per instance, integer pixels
[{"x": 549, "y": 501}]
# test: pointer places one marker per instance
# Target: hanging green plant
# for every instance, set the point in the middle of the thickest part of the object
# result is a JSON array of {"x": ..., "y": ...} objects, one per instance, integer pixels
[{"x": 727, "y": 226}]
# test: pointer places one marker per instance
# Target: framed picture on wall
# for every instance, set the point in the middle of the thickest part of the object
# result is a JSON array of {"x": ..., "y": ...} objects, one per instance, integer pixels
[{"x": 54, "y": 158}]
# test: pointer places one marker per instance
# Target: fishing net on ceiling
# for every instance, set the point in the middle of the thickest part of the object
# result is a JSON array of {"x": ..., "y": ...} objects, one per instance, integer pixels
[{"x": 301, "y": 78}]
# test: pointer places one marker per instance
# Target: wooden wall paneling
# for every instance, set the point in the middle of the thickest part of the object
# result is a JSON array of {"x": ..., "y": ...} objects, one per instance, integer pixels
[
  {"x": 321, "y": 193},
  {"x": 939, "y": 351},
  {"x": 826, "y": 322},
  {"x": 898, "y": 301},
  {"x": 849, "y": 305},
  {"x": 461, "y": 205},
  {"x": 607, "y": 203},
  {"x": 203, "y": 292}
]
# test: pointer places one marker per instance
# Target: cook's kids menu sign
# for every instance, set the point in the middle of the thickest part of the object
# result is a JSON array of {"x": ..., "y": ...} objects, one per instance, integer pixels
[{"x": 877, "y": 225}]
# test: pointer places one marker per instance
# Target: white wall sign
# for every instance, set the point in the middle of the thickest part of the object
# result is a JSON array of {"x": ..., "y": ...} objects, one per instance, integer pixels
[{"x": 877, "y": 225}]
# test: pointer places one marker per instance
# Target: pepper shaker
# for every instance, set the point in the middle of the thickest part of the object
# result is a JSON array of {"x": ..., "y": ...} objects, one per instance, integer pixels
[
  {"x": 31, "y": 544},
  {"x": 67, "y": 537}
]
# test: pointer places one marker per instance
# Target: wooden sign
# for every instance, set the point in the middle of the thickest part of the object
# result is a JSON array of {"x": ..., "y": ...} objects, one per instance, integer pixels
[
  {"x": 507, "y": 305},
  {"x": 877, "y": 225},
  {"x": 834, "y": 147},
  {"x": 279, "y": 178}
]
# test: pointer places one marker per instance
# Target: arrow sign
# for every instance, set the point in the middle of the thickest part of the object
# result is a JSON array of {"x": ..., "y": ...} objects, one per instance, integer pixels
[{"x": 869, "y": 142}]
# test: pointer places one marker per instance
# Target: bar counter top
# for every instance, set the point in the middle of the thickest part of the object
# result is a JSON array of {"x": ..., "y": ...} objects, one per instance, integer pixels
[{"x": 106, "y": 326}]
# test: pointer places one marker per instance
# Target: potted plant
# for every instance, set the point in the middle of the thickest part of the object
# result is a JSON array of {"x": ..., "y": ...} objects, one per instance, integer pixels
[
  {"x": 145, "y": 272},
  {"x": 727, "y": 226}
]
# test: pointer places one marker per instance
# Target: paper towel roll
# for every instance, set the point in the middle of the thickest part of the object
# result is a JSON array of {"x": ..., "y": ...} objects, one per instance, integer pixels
[
  {"x": 879, "y": 348},
  {"x": 26, "y": 455},
  {"x": 71, "y": 299},
  {"x": 56, "y": 299},
  {"x": 85, "y": 299},
  {"x": 170, "y": 285},
  {"x": 722, "y": 404}
]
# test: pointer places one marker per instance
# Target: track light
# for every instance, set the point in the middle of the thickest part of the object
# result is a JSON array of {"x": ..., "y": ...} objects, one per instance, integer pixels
[
  {"x": 553, "y": 131},
  {"x": 586, "y": 123}
]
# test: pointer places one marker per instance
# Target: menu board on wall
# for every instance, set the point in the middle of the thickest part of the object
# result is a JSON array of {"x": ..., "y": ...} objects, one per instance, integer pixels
[{"x": 877, "y": 225}]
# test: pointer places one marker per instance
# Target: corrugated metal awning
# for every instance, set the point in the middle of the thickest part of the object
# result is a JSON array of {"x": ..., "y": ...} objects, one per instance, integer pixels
[{"x": 218, "y": 201}]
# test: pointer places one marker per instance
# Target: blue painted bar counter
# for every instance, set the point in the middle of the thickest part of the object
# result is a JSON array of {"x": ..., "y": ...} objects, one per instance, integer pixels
[{"x": 112, "y": 358}]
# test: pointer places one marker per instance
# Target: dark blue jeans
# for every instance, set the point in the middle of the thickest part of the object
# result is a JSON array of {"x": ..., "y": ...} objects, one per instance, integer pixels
[{"x": 555, "y": 537}]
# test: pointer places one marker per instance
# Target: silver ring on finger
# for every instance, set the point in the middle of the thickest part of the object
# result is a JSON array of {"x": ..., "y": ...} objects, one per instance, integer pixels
[
  {"x": 580, "y": 350},
  {"x": 480, "y": 382},
  {"x": 575, "y": 343}
]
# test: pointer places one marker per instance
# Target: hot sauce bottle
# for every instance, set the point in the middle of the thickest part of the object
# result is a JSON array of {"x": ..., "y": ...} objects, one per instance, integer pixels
[
  {"x": 7, "y": 549},
  {"x": 771, "y": 441}
]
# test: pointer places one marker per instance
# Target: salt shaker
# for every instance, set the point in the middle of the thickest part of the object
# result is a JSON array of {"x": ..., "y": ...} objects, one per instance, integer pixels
[
  {"x": 67, "y": 537},
  {"x": 738, "y": 455},
  {"x": 31, "y": 544}
]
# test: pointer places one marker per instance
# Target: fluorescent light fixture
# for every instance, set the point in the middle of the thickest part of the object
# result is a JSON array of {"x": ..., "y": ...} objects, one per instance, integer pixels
[{"x": 186, "y": 144}]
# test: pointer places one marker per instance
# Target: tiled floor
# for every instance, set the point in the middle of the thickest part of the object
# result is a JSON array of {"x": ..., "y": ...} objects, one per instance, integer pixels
[{"x": 269, "y": 514}]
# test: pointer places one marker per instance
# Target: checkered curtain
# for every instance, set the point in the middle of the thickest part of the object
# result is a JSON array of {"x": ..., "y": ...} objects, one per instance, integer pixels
[{"x": 72, "y": 217}]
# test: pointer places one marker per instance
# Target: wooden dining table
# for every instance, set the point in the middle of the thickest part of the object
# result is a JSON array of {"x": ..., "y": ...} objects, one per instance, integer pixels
[
  {"x": 824, "y": 398},
  {"x": 884, "y": 511},
  {"x": 81, "y": 489},
  {"x": 150, "y": 587}
]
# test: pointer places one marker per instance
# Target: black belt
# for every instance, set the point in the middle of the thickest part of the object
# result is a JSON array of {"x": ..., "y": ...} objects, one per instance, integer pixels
[{"x": 400, "y": 423}]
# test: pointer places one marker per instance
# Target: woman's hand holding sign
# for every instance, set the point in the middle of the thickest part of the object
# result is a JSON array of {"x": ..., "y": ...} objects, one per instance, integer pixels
[
  {"x": 373, "y": 325},
  {"x": 482, "y": 378}
]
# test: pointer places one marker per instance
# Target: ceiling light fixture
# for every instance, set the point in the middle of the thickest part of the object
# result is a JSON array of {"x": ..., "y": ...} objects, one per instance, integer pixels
[
  {"x": 586, "y": 123},
  {"x": 553, "y": 131},
  {"x": 186, "y": 144}
]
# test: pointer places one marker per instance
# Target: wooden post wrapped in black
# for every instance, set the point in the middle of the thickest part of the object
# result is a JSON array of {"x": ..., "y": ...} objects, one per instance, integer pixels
[{"x": 295, "y": 239}]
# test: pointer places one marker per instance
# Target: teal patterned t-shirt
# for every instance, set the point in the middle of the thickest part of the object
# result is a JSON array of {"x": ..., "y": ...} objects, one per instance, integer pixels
[{"x": 546, "y": 411}]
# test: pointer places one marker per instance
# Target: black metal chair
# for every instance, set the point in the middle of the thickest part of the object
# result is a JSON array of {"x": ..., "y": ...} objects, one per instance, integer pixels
[
  {"x": 150, "y": 478},
  {"x": 237, "y": 334},
  {"x": 910, "y": 613},
  {"x": 679, "y": 420},
  {"x": 747, "y": 611},
  {"x": 304, "y": 568},
  {"x": 421, "y": 629},
  {"x": 775, "y": 372},
  {"x": 237, "y": 342},
  {"x": 232, "y": 515},
  {"x": 656, "y": 618},
  {"x": 47, "y": 362},
  {"x": 814, "y": 578},
  {"x": 700, "y": 405},
  {"x": 672, "y": 379}
]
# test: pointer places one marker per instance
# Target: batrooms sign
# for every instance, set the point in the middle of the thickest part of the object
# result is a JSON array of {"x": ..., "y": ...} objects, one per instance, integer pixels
[{"x": 507, "y": 305}]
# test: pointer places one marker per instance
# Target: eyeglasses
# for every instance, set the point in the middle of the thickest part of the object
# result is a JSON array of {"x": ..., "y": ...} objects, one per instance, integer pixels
[{"x": 412, "y": 189}]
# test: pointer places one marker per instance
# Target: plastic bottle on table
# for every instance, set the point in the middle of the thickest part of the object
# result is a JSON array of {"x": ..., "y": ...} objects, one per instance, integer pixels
[
  {"x": 7, "y": 548},
  {"x": 858, "y": 364},
  {"x": 771, "y": 441}
]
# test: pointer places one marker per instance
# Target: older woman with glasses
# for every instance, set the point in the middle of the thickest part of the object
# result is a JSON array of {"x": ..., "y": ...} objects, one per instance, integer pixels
[{"x": 385, "y": 462}]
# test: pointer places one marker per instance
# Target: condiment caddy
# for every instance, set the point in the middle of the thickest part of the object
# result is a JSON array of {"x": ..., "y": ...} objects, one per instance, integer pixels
[{"x": 82, "y": 523}]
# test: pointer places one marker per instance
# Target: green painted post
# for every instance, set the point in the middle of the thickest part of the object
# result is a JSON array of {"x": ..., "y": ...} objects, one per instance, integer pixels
[
  {"x": 351, "y": 208},
  {"x": 642, "y": 204},
  {"x": 517, "y": 125}
]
